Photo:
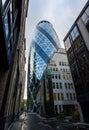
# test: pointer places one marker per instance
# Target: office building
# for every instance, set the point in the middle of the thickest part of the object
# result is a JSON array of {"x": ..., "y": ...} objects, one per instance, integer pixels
[
  {"x": 63, "y": 88},
  {"x": 77, "y": 47},
  {"x": 12, "y": 52},
  {"x": 44, "y": 43}
]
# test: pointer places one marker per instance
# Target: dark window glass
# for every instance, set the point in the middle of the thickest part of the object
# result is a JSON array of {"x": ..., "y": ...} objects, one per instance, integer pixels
[
  {"x": 62, "y": 96},
  {"x": 67, "y": 96},
  {"x": 57, "y": 85},
  {"x": 58, "y": 96},
  {"x": 53, "y": 85},
  {"x": 69, "y": 85},
  {"x": 56, "y": 69},
  {"x": 66, "y": 85},
  {"x": 70, "y": 96},
  {"x": 53, "y": 69},
  {"x": 59, "y": 63},
  {"x": 55, "y": 76},
  {"x": 60, "y": 85},
  {"x": 59, "y": 77},
  {"x": 63, "y": 63}
]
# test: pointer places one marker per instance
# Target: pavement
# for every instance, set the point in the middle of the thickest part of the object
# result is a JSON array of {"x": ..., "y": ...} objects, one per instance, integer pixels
[{"x": 32, "y": 121}]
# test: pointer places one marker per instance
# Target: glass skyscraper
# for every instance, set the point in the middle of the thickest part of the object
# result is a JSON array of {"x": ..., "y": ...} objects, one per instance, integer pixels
[{"x": 44, "y": 43}]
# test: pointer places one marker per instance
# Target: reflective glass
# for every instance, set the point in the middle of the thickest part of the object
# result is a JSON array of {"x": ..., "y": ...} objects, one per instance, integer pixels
[
  {"x": 85, "y": 16},
  {"x": 43, "y": 47},
  {"x": 75, "y": 33},
  {"x": 3, "y": 2},
  {"x": 67, "y": 44},
  {"x": 6, "y": 26}
]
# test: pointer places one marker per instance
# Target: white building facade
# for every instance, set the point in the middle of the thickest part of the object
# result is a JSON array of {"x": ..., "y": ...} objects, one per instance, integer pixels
[{"x": 63, "y": 88}]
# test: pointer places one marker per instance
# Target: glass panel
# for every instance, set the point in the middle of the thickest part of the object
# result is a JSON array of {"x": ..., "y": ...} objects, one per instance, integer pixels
[
  {"x": 74, "y": 33},
  {"x": 67, "y": 44},
  {"x": 3, "y": 2},
  {"x": 85, "y": 16},
  {"x": 6, "y": 26}
]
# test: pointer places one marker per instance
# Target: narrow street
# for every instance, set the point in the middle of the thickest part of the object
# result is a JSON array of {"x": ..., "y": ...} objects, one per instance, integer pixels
[{"x": 32, "y": 121}]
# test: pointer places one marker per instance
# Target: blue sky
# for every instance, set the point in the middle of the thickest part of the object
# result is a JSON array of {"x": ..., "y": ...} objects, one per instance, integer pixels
[{"x": 61, "y": 13}]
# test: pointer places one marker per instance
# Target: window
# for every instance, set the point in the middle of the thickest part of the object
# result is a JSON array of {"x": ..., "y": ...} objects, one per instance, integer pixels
[
  {"x": 64, "y": 77},
  {"x": 74, "y": 33},
  {"x": 58, "y": 96},
  {"x": 66, "y": 70},
  {"x": 59, "y": 77},
  {"x": 60, "y": 108},
  {"x": 55, "y": 76},
  {"x": 67, "y": 44},
  {"x": 56, "y": 69},
  {"x": 53, "y": 69},
  {"x": 62, "y": 96},
  {"x": 60, "y": 63},
  {"x": 67, "y": 96},
  {"x": 53, "y": 84},
  {"x": 57, "y": 85},
  {"x": 66, "y": 85},
  {"x": 70, "y": 96},
  {"x": 52, "y": 76},
  {"x": 60, "y": 85},
  {"x": 72, "y": 85},
  {"x": 74, "y": 96},
  {"x": 85, "y": 18},
  {"x": 63, "y": 63},
  {"x": 69, "y": 85},
  {"x": 54, "y": 96},
  {"x": 70, "y": 77},
  {"x": 63, "y": 70}
]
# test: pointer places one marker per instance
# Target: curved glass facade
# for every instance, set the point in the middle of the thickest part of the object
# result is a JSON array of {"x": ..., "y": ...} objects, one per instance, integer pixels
[{"x": 45, "y": 42}]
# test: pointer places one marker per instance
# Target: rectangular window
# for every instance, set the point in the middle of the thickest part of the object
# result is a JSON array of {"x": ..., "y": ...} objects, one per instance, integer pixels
[
  {"x": 74, "y": 33},
  {"x": 69, "y": 85},
  {"x": 60, "y": 85},
  {"x": 57, "y": 85},
  {"x": 58, "y": 96},
  {"x": 59, "y": 77},
  {"x": 59, "y": 63},
  {"x": 53, "y": 84},
  {"x": 74, "y": 96},
  {"x": 52, "y": 76},
  {"x": 70, "y": 96},
  {"x": 53, "y": 69},
  {"x": 66, "y": 85},
  {"x": 62, "y": 63},
  {"x": 67, "y": 44},
  {"x": 67, "y": 96},
  {"x": 54, "y": 96},
  {"x": 62, "y": 96},
  {"x": 55, "y": 76},
  {"x": 56, "y": 69},
  {"x": 85, "y": 16}
]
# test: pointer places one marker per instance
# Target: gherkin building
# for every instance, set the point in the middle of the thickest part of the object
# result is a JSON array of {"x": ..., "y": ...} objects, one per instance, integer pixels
[{"x": 44, "y": 43}]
